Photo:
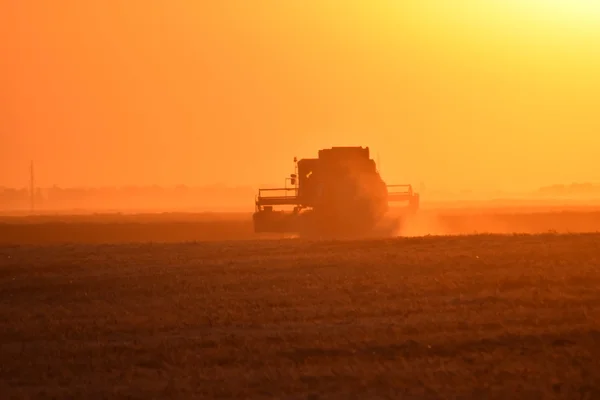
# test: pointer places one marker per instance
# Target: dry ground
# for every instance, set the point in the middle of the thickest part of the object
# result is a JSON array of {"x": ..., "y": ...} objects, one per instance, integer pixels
[
  {"x": 436, "y": 317},
  {"x": 185, "y": 227}
]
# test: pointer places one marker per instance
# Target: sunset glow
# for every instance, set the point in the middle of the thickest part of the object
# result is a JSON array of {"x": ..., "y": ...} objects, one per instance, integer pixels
[
  {"x": 576, "y": 10},
  {"x": 465, "y": 95}
]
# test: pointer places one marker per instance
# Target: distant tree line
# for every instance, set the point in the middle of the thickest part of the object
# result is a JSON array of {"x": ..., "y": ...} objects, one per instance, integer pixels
[
  {"x": 573, "y": 189},
  {"x": 135, "y": 197},
  {"x": 187, "y": 197}
]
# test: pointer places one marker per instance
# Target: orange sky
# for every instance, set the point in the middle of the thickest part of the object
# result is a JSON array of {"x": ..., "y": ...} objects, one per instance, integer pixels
[{"x": 470, "y": 94}]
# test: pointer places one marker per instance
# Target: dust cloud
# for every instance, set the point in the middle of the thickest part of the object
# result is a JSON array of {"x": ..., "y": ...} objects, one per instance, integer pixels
[
  {"x": 421, "y": 226},
  {"x": 498, "y": 221}
]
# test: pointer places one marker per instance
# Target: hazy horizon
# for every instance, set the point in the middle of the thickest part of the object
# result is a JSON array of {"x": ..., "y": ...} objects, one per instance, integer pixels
[
  {"x": 500, "y": 96},
  {"x": 193, "y": 199}
]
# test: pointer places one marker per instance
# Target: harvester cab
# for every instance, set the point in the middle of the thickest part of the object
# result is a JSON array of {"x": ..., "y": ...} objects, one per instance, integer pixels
[{"x": 339, "y": 192}]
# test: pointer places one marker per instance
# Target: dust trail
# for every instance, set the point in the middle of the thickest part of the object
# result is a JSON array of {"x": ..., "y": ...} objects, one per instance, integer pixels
[
  {"x": 421, "y": 225},
  {"x": 434, "y": 223},
  {"x": 466, "y": 222}
]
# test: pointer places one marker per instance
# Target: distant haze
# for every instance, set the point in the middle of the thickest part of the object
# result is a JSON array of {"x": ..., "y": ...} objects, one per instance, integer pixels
[{"x": 481, "y": 97}]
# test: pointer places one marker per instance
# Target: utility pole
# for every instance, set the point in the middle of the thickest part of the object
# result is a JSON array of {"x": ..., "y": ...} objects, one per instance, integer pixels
[{"x": 32, "y": 187}]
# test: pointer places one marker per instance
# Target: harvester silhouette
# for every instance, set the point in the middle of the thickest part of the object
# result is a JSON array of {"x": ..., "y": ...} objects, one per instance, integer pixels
[{"x": 339, "y": 193}]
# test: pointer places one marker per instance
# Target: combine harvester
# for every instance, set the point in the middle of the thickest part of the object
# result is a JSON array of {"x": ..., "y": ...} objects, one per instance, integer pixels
[{"x": 340, "y": 193}]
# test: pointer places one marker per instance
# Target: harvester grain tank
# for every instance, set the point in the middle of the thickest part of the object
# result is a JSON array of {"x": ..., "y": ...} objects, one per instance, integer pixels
[{"x": 339, "y": 192}]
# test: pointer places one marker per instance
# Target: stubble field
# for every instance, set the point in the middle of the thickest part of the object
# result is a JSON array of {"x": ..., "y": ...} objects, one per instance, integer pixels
[
  {"x": 172, "y": 227},
  {"x": 473, "y": 316}
]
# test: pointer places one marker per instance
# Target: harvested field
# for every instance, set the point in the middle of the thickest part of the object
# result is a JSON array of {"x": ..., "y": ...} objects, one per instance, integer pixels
[
  {"x": 483, "y": 316},
  {"x": 187, "y": 227}
]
